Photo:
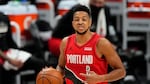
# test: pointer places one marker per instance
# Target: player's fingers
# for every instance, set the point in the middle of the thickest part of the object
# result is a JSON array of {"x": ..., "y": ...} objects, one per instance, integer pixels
[
  {"x": 87, "y": 76},
  {"x": 84, "y": 82},
  {"x": 91, "y": 72},
  {"x": 82, "y": 74},
  {"x": 46, "y": 67}
]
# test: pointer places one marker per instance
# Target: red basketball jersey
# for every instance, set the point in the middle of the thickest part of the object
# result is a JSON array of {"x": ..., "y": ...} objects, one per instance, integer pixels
[{"x": 80, "y": 59}]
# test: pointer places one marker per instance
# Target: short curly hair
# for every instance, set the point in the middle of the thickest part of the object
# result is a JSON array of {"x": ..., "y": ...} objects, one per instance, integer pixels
[{"x": 82, "y": 8}]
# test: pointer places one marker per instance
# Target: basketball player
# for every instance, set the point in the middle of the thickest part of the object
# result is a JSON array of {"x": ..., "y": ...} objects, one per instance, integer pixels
[
  {"x": 100, "y": 25},
  {"x": 85, "y": 56}
]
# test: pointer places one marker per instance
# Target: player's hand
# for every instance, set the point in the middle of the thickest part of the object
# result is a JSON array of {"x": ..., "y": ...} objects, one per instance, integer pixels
[
  {"x": 16, "y": 63},
  {"x": 45, "y": 68},
  {"x": 90, "y": 78}
]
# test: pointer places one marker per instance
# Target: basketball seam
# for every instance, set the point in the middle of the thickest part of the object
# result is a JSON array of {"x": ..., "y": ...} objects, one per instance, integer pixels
[{"x": 51, "y": 76}]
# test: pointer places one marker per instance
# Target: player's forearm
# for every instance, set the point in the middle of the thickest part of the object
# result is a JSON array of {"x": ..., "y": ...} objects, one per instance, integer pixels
[{"x": 113, "y": 75}]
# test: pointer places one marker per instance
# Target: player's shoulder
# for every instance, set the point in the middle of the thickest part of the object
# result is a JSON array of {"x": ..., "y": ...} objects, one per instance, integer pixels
[
  {"x": 63, "y": 42},
  {"x": 104, "y": 42},
  {"x": 65, "y": 39}
]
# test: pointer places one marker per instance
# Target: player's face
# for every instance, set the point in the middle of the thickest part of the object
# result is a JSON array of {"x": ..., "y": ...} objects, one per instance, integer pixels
[
  {"x": 81, "y": 22},
  {"x": 97, "y": 3}
]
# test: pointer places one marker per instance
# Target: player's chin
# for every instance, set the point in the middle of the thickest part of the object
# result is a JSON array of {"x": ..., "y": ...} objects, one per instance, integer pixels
[{"x": 80, "y": 32}]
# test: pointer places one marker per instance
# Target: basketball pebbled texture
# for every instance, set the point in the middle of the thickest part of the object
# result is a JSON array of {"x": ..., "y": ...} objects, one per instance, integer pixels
[{"x": 49, "y": 76}]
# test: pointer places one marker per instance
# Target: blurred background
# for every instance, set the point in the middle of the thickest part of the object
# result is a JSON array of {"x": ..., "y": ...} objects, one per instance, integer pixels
[{"x": 33, "y": 23}]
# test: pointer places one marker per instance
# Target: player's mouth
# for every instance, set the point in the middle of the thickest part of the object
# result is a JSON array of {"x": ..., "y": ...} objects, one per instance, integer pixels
[{"x": 81, "y": 28}]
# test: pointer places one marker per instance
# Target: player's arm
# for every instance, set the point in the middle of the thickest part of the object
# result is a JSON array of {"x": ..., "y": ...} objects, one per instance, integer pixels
[
  {"x": 62, "y": 61},
  {"x": 105, "y": 48}
]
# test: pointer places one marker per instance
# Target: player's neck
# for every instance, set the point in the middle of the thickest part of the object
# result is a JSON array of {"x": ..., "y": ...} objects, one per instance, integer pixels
[{"x": 82, "y": 39}]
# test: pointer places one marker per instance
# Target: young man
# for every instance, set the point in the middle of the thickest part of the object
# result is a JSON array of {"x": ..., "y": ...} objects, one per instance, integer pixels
[
  {"x": 101, "y": 22},
  {"x": 85, "y": 56}
]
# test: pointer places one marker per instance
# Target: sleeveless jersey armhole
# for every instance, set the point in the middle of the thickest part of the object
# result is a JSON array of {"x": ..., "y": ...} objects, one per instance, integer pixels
[
  {"x": 95, "y": 47},
  {"x": 67, "y": 44}
]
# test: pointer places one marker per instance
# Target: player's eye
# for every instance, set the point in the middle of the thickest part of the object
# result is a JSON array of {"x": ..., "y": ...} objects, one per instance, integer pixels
[
  {"x": 84, "y": 19},
  {"x": 76, "y": 19}
]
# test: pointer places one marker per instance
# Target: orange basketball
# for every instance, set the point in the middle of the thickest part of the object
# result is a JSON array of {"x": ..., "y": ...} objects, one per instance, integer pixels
[{"x": 49, "y": 76}]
